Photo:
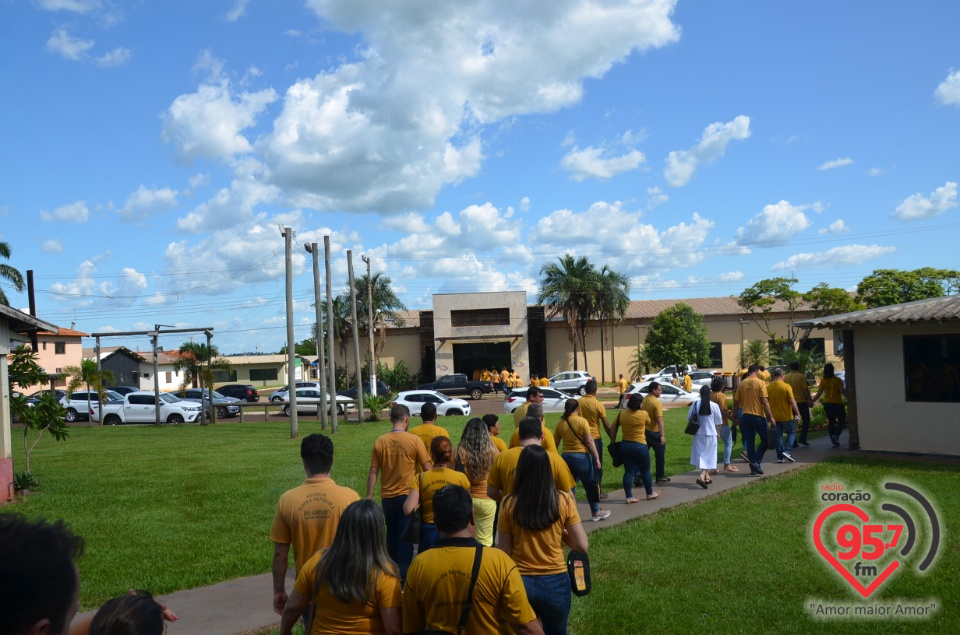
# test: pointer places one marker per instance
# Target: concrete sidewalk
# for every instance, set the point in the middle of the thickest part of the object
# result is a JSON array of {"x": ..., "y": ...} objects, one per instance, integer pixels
[{"x": 244, "y": 605}]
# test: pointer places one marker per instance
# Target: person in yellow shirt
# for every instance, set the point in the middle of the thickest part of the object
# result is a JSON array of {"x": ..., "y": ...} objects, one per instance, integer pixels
[
  {"x": 549, "y": 444},
  {"x": 656, "y": 433},
  {"x": 750, "y": 403},
  {"x": 636, "y": 454},
  {"x": 426, "y": 484},
  {"x": 348, "y": 598},
  {"x": 396, "y": 456},
  {"x": 544, "y": 382},
  {"x": 428, "y": 430},
  {"x": 441, "y": 577},
  {"x": 505, "y": 380},
  {"x": 493, "y": 427},
  {"x": 687, "y": 382},
  {"x": 595, "y": 413},
  {"x": 534, "y": 395},
  {"x": 476, "y": 454},
  {"x": 536, "y": 522},
  {"x": 728, "y": 426},
  {"x": 502, "y": 480},
  {"x": 801, "y": 392},
  {"x": 307, "y": 516},
  {"x": 832, "y": 390},
  {"x": 764, "y": 375},
  {"x": 485, "y": 375},
  {"x": 622, "y": 385},
  {"x": 785, "y": 413},
  {"x": 581, "y": 454}
]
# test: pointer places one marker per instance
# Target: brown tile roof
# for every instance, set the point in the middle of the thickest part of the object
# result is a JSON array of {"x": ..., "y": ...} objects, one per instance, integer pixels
[
  {"x": 933, "y": 309},
  {"x": 62, "y": 332},
  {"x": 725, "y": 305}
]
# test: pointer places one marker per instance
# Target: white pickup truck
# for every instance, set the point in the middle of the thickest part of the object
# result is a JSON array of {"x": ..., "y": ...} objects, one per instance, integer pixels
[
  {"x": 669, "y": 371},
  {"x": 141, "y": 407}
]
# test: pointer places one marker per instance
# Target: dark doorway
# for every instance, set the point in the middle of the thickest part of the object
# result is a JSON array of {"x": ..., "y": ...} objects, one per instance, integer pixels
[{"x": 470, "y": 357}]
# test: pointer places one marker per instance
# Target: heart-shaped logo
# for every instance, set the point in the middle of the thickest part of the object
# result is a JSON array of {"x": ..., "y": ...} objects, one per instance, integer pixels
[{"x": 829, "y": 557}]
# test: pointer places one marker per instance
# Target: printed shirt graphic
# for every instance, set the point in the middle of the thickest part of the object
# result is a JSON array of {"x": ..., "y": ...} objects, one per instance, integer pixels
[{"x": 307, "y": 516}]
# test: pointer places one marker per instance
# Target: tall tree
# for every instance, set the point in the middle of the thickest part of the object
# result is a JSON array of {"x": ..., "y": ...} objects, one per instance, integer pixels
[
  {"x": 386, "y": 306},
  {"x": 198, "y": 363},
  {"x": 678, "y": 335},
  {"x": 639, "y": 363},
  {"x": 826, "y": 300},
  {"x": 884, "y": 287},
  {"x": 761, "y": 299},
  {"x": 87, "y": 376},
  {"x": 342, "y": 326},
  {"x": 9, "y": 274},
  {"x": 566, "y": 290},
  {"x": 612, "y": 300}
]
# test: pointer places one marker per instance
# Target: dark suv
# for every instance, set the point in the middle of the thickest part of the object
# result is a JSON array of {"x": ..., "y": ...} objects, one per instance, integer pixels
[
  {"x": 382, "y": 389},
  {"x": 244, "y": 392}
]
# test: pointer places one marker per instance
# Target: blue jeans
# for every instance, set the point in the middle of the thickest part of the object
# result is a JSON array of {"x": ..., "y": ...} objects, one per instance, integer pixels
[
  {"x": 428, "y": 535},
  {"x": 804, "y": 409},
  {"x": 598, "y": 474},
  {"x": 727, "y": 439},
  {"x": 836, "y": 414},
  {"x": 659, "y": 452},
  {"x": 790, "y": 427},
  {"x": 581, "y": 467},
  {"x": 549, "y": 596},
  {"x": 401, "y": 552},
  {"x": 636, "y": 463},
  {"x": 753, "y": 425}
]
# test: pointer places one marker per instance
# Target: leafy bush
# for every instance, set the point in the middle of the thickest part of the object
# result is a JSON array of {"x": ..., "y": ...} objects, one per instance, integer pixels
[
  {"x": 24, "y": 480},
  {"x": 374, "y": 405}
]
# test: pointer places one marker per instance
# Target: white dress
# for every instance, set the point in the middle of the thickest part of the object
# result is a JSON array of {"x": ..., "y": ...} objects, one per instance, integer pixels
[{"x": 703, "y": 453}]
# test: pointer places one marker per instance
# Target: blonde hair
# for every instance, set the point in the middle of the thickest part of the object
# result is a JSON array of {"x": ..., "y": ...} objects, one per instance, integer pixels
[{"x": 476, "y": 450}]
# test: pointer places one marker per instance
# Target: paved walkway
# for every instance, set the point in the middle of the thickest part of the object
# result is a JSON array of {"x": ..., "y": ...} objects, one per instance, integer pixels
[{"x": 244, "y": 605}]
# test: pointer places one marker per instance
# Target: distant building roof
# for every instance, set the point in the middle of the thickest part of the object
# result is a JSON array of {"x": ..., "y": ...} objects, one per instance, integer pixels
[
  {"x": 242, "y": 360},
  {"x": 62, "y": 332},
  {"x": 930, "y": 310}
]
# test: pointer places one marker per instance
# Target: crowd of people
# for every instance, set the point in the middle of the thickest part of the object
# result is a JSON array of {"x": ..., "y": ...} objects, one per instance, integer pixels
[{"x": 493, "y": 517}]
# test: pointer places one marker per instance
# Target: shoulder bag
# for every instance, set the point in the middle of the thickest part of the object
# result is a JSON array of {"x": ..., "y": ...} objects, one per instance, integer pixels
[
  {"x": 412, "y": 532},
  {"x": 693, "y": 421},
  {"x": 468, "y": 602}
]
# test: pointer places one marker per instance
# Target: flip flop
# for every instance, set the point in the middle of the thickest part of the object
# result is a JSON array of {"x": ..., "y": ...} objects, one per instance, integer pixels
[
  {"x": 650, "y": 497},
  {"x": 730, "y": 468},
  {"x": 708, "y": 481},
  {"x": 631, "y": 501},
  {"x": 701, "y": 483}
]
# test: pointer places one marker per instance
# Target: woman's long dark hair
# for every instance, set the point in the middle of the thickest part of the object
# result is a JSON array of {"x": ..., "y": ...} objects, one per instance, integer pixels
[
  {"x": 536, "y": 500},
  {"x": 828, "y": 370},
  {"x": 136, "y": 614},
  {"x": 705, "y": 402}
]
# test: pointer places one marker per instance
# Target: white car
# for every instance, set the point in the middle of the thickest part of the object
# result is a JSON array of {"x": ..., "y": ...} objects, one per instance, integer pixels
[
  {"x": 670, "y": 371},
  {"x": 553, "y": 400},
  {"x": 446, "y": 406},
  {"x": 571, "y": 381},
  {"x": 76, "y": 404},
  {"x": 672, "y": 395},
  {"x": 309, "y": 398},
  {"x": 280, "y": 394}
]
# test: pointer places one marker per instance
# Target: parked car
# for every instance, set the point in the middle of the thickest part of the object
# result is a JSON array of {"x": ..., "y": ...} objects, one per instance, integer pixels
[
  {"x": 672, "y": 395},
  {"x": 458, "y": 384},
  {"x": 308, "y": 398},
  {"x": 553, "y": 400},
  {"x": 446, "y": 406},
  {"x": 280, "y": 394},
  {"x": 226, "y": 406},
  {"x": 76, "y": 404},
  {"x": 243, "y": 392},
  {"x": 125, "y": 390},
  {"x": 571, "y": 381},
  {"x": 702, "y": 377},
  {"x": 383, "y": 390},
  {"x": 34, "y": 397},
  {"x": 141, "y": 407},
  {"x": 670, "y": 371}
]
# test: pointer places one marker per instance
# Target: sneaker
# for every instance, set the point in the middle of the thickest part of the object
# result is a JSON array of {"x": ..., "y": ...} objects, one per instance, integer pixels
[
  {"x": 779, "y": 460},
  {"x": 663, "y": 479},
  {"x": 804, "y": 443},
  {"x": 835, "y": 441},
  {"x": 601, "y": 514},
  {"x": 789, "y": 457},
  {"x": 755, "y": 469},
  {"x": 604, "y": 496}
]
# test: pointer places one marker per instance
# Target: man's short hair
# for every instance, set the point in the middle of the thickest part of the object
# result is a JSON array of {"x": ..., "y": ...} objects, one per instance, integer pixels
[
  {"x": 753, "y": 368},
  {"x": 428, "y": 412},
  {"x": 717, "y": 384},
  {"x": 795, "y": 366},
  {"x": 591, "y": 387},
  {"x": 535, "y": 410},
  {"x": 491, "y": 420},
  {"x": 452, "y": 509},
  {"x": 776, "y": 372},
  {"x": 39, "y": 579},
  {"x": 316, "y": 450},
  {"x": 533, "y": 391},
  {"x": 653, "y": 386},
  {"x": 530, "y": 428},
  {"x": 398, "y": 413}
]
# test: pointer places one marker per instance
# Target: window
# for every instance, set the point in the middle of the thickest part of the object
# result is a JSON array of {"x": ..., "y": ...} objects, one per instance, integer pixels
[
  {"x": 224, "y": 375},
  {"x": 480, "y": 317},
  {"x": 59, "y": 348},
  {"x": 813, "y": 344},
  {"x": 263, "y": 374},
  {"x": 931, "y": 364},
  {"x": 142, "y": 400},
  {"x": 169, "y": 376},
  {"x": 716, "y": 354}
]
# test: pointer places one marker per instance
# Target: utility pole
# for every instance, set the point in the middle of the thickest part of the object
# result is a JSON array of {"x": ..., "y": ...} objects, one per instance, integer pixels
[
  {"x": 373, "y": 361},
  {"x": 330, "y": 342},
  {"x": 356, "y": 337},
  {"x": 209, "y": 375},
  {"x": 156, "y": 372},
  {"x": 288, "y": 234},
  {"x": 318, "y": 306}
]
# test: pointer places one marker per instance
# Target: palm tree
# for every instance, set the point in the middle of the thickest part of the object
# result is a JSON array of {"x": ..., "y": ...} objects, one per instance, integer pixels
[
  {"x": 9, "y": 273},
  {"x": 639, "y": 362},
  {"x": 386, "y": 306},
  {"x": 566, "y": 291},
  {"x": 754, "y": 352},
  {"x": 198, "y": 363},
  {"x": 612, "y": 297},
  {"x": 87, "y": 375}
]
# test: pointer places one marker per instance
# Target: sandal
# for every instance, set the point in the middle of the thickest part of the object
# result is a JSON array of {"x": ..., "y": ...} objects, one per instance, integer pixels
[
  {"x": 650, "y": 497},
  {"x": 702, "y": 483},
  {"x": 631, "y": 501},
  {"x": 729, "y": 467},
  {"x": 708, "y": 481}
]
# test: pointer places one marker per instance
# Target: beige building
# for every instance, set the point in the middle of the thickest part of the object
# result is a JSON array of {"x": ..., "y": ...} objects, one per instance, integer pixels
[
  {"x": 903, "y": 386},
  {"x": 471, "y": 331}
]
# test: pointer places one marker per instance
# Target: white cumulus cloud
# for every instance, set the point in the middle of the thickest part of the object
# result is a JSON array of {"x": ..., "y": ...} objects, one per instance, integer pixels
[
  {"x": 76, "y": 6},
  {"x": 774, "y": 225},
  {"x": 836, "y": 163},
  {"x": 72, "y": 213},
  {"x": 838, "y": 256},
  {"x": 836, "y": 227},
  {"x": 918, "y": 206},
  {"x": 67, "y": 46},
  {"x": 948, "y": 92},
  {"x": 238, "y": 10},
  {"x": 86, "y": 289},
  {"x": 52, "y": 247},
  {"x": 682, "y": 164},
  {"x": 603, "y": 162},
  {"x": 146, "y": 202}
]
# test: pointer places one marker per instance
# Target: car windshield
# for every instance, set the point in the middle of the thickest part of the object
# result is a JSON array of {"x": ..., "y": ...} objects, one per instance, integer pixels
[
  {"x": 113, "y": 396},
  {"x": 441, "y": 396},
  {"x": 169, "y": 398}
]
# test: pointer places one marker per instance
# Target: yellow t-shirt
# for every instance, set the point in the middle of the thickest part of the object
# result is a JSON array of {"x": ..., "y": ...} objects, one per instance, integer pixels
[
  {"x": 505, "y": 467},
  {"x": 831, "y": 387},
  {"x": 687, "y": 383},
  {"x": 549, "y": 443},
  {"x": 427, "y": 432},
  {"x": 307, "y": 516},
  {"x": 335, "y": 617},
  {"x": 592, "y": 410},
  {"x": 485, "y": 376},
  {"x": 499, "y": 443},
  {"x": 634, "y": 424},
  {"x": 764, "y": 376},
  {"x": 504, "y": 377},
  {"x": 571, "y": 431},
  {"x": 749, "y": 396},
  {"x": 544, "y": 382},
  {"x": 439, "y": 578},
  {"x": 520, "y": 413},
  {"x": 397, "y": 454},
  {"x": 780, "y": 393},
  {"x": 720, "y": 399},
  {"x": 623, "y": 385},
  {"x": 432, "y": 480},
  {"x": 539, "y": 552},
  {"x": 798, "y": 382},
  {"x": 654, "y": 409}
]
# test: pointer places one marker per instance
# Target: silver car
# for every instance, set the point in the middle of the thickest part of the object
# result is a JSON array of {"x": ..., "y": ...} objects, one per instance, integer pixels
[
  {"x": 226, "y": 406},
  {"x": 571, "y": 381},
  {"x": 553, "y": 400}
]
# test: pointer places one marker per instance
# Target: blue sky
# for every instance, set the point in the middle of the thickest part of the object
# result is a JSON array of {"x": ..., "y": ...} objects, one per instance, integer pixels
[{"x": 151, "y": 150}]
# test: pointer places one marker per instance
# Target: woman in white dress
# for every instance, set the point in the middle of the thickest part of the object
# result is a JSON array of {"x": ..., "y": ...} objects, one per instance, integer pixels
[{"x": 703, "y": 452}]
